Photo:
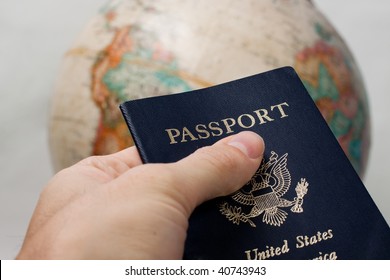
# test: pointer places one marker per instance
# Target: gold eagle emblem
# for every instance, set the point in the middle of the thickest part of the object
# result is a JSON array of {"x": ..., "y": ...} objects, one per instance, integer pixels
[{"x": 264, "y": 194}]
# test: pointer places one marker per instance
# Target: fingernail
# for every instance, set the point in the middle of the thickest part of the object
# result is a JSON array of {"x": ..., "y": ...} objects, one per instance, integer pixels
[{"x": 250, "y": 143}]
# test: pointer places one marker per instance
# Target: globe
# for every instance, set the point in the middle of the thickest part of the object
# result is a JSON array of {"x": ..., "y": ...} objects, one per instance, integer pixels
[{"x": 135, "y": 49}]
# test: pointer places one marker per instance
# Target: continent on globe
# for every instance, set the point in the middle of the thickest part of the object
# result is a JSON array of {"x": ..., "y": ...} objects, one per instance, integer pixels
[
  {"x": 335, "y": 91},
  {"x": 125, "y": 70}
]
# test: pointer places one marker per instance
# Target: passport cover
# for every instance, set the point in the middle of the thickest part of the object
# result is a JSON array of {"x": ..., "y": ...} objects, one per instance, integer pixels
[{"x": 305, "y": 201}]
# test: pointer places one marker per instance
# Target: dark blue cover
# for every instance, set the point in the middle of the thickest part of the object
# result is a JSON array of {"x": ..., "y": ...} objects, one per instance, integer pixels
[{"x": 305, "y": 202}]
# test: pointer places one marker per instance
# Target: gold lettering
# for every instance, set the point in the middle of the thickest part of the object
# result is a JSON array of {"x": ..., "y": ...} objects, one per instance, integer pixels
[
  {"x": 319, "y": 235},
  {"x": 186, "y": 133},
  {"x": 300, "y": 243},
  {"x": 331, "y": 256},
  {"x": 263, "y": 254},
  {"x": 250, "y": 117},
  {"x": 215, "y": 128},
  {"x": 304, "y": 240},
  {"x": 330, "y": 233},
  {"x": 312, "y": 240},
  {"x": 280, "y": 108},
  {"x": 269, "y": 252},
  {"x": 263, "y": 114},
  {"x": 172, "y": 134},
  {"x": 227, "y": 125},
  {"x": 285, "y": 248},
  {"x": 248, "y": 254},
  {"x": 202, "y": 131}
]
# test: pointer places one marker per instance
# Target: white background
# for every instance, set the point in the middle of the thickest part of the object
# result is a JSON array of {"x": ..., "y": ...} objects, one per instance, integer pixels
[
  {"x": 113, "y": 270},
  {"x": 35, "y": 34}
]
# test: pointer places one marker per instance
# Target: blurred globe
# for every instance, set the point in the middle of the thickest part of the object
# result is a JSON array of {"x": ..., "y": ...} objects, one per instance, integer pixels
[{"x": 135, "y": 49}]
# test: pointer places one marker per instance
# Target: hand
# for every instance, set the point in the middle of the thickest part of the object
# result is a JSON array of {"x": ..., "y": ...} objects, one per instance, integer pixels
[{"x": 115, "y": 207}]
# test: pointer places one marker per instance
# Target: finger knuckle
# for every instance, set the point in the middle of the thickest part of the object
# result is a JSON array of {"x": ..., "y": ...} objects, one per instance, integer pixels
[
  {"x": 105, "y": 164},
  {"x": 220, "y": 159}
]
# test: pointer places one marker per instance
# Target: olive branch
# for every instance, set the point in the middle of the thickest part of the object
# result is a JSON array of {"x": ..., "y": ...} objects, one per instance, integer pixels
[{"x": 234, "y": 214}]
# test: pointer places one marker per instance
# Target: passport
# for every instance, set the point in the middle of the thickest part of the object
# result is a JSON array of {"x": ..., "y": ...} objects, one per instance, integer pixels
[{"x": 304, "y": 202}]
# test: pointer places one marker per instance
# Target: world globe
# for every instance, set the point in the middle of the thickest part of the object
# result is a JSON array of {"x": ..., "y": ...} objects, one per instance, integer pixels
[{"x": 135, "y": 49}]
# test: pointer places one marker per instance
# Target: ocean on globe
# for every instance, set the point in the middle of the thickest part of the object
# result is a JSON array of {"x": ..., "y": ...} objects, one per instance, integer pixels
[{"x": 135, "y": 49}]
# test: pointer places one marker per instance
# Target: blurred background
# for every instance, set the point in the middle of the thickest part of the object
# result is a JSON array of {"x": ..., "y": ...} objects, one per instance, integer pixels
[{"x": 34, "y": 36}]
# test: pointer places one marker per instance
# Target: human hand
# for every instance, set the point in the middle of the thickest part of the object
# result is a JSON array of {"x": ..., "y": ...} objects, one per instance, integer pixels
[{"x": 115, "y": 207}]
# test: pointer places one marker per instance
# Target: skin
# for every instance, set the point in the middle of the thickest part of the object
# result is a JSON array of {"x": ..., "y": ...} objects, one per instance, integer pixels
[{"x": 115, "y": 207}]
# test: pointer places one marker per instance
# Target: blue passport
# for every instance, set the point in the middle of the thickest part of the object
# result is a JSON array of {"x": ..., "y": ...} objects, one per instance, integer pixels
[{"x": 305, "y": 201}]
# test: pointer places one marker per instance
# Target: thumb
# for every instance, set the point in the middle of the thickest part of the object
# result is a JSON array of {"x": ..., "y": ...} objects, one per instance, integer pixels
[
  {"x": 219, "y": 169},
  {"x": 209, "y": 172}
]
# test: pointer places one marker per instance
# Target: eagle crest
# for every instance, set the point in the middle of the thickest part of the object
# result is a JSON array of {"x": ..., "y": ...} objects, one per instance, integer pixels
[{"x": 264, "y": 194}]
